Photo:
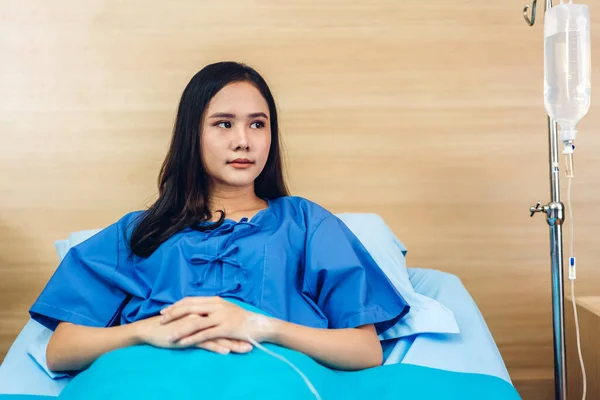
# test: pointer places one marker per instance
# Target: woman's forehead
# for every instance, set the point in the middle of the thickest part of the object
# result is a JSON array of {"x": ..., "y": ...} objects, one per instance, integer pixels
[{"x": 240, "y": 98}]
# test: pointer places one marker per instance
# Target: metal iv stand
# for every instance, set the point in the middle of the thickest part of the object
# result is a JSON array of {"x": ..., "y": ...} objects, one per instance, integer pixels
[{"x": 555, "y": 216}]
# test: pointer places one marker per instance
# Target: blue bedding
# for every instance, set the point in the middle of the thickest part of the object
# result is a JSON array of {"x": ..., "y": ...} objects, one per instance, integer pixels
[
  {"x": 472, "y": 352},
  {"x": 145, "y": 372},
  {"x": 150, "y": 373}
]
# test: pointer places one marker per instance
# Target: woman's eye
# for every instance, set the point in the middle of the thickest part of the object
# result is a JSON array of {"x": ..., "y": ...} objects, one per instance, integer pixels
[
  {"x": 257, "y": 125},
  {"x": 224, "y": 124}
]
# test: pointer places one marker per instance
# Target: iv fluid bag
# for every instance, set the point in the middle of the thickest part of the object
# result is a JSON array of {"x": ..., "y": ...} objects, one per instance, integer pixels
[{"x": 567, "y": 65}]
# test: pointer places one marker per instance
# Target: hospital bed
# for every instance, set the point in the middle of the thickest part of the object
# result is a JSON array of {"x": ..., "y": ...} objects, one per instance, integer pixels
[{"x": 468, "y": 347}]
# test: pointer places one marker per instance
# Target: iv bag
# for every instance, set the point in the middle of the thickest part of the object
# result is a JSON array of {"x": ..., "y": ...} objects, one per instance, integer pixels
[{"x": 567, "y": 66}]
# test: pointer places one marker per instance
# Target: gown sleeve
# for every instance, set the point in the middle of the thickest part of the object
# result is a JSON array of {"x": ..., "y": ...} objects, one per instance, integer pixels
[
  {"x": 83, "y": 290},
  {"x": 344, "y": 281}
]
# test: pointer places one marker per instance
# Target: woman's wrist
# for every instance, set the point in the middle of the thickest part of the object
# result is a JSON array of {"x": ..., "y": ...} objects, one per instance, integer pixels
[
  {"x": 139, "y": 331},
  {"x": 274, "y": 330}
]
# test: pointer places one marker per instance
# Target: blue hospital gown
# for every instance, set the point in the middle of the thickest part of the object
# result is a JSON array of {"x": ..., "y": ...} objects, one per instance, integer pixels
[{"x": 294, "y": 260}]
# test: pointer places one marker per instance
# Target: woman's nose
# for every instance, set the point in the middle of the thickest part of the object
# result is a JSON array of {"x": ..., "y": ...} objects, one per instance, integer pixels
[{"x": 241, "y": 139}]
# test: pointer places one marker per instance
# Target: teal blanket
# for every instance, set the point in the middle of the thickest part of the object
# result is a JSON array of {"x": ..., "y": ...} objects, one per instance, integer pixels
[
  {"x": 146, "y": 372},
  {"x": 149, "y": 373}
]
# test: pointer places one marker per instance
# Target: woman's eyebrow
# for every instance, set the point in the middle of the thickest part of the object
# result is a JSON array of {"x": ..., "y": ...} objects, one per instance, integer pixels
[
  {"x": 259, "y": 114},
  {"x": 229, "y": 115},
  {"x": 222, "y": 115}
]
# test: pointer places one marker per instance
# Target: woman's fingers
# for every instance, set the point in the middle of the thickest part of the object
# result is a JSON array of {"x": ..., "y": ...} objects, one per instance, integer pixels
[
  {"x": 176, "y": 312},
  {"x": 237, "y": 346},
  {"x": 190, "y": 325},
  {"x": 201, "y": 336},
  {"x": 225, "y": 346},
  {"x": 213, "y": 346}
]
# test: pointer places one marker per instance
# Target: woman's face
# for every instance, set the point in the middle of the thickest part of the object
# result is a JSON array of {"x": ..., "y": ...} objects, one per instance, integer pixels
[{"x": 235, "y": 135}]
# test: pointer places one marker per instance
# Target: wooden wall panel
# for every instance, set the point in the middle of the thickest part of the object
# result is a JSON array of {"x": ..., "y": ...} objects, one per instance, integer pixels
[{"x": 430, "y": 114}]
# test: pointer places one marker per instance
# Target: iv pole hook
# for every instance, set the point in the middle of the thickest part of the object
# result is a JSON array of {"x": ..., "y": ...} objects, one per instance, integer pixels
[{"x": 531, "y": 21}]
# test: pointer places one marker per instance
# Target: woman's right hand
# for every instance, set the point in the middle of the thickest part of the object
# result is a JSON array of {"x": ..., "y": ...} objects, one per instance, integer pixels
[{"x": 151, "y": 331}]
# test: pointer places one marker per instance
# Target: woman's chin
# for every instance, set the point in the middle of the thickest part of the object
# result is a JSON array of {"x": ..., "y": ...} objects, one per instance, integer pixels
[{"x": 239, "y": 181}]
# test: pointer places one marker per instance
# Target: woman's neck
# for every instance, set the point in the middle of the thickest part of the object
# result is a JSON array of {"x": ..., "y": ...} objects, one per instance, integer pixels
[{"x": 234, "y": 200}]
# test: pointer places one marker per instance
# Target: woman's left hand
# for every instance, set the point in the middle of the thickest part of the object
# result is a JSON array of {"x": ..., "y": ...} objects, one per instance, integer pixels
[{"x": 219, "y": 319}]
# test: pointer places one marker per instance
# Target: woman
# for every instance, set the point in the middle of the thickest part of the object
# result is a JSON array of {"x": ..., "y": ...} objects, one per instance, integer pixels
[{"x": 223, "y": 227}]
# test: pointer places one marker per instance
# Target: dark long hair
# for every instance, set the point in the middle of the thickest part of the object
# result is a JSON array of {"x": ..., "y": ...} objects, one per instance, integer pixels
[{"x": 182, "y": 182}]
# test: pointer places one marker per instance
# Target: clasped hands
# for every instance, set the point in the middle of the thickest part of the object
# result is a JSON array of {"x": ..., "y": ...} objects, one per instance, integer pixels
[{"x": 210, "y": 323}]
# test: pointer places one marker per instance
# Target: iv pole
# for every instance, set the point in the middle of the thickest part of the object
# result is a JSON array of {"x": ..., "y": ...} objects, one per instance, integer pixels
[{"x": 554, "y": 211}]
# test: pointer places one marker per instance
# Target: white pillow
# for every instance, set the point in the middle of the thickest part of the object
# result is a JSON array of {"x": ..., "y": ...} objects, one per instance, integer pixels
[
  {"x": 63, "y": 246},
  {"x": 426, "y": 315}
]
